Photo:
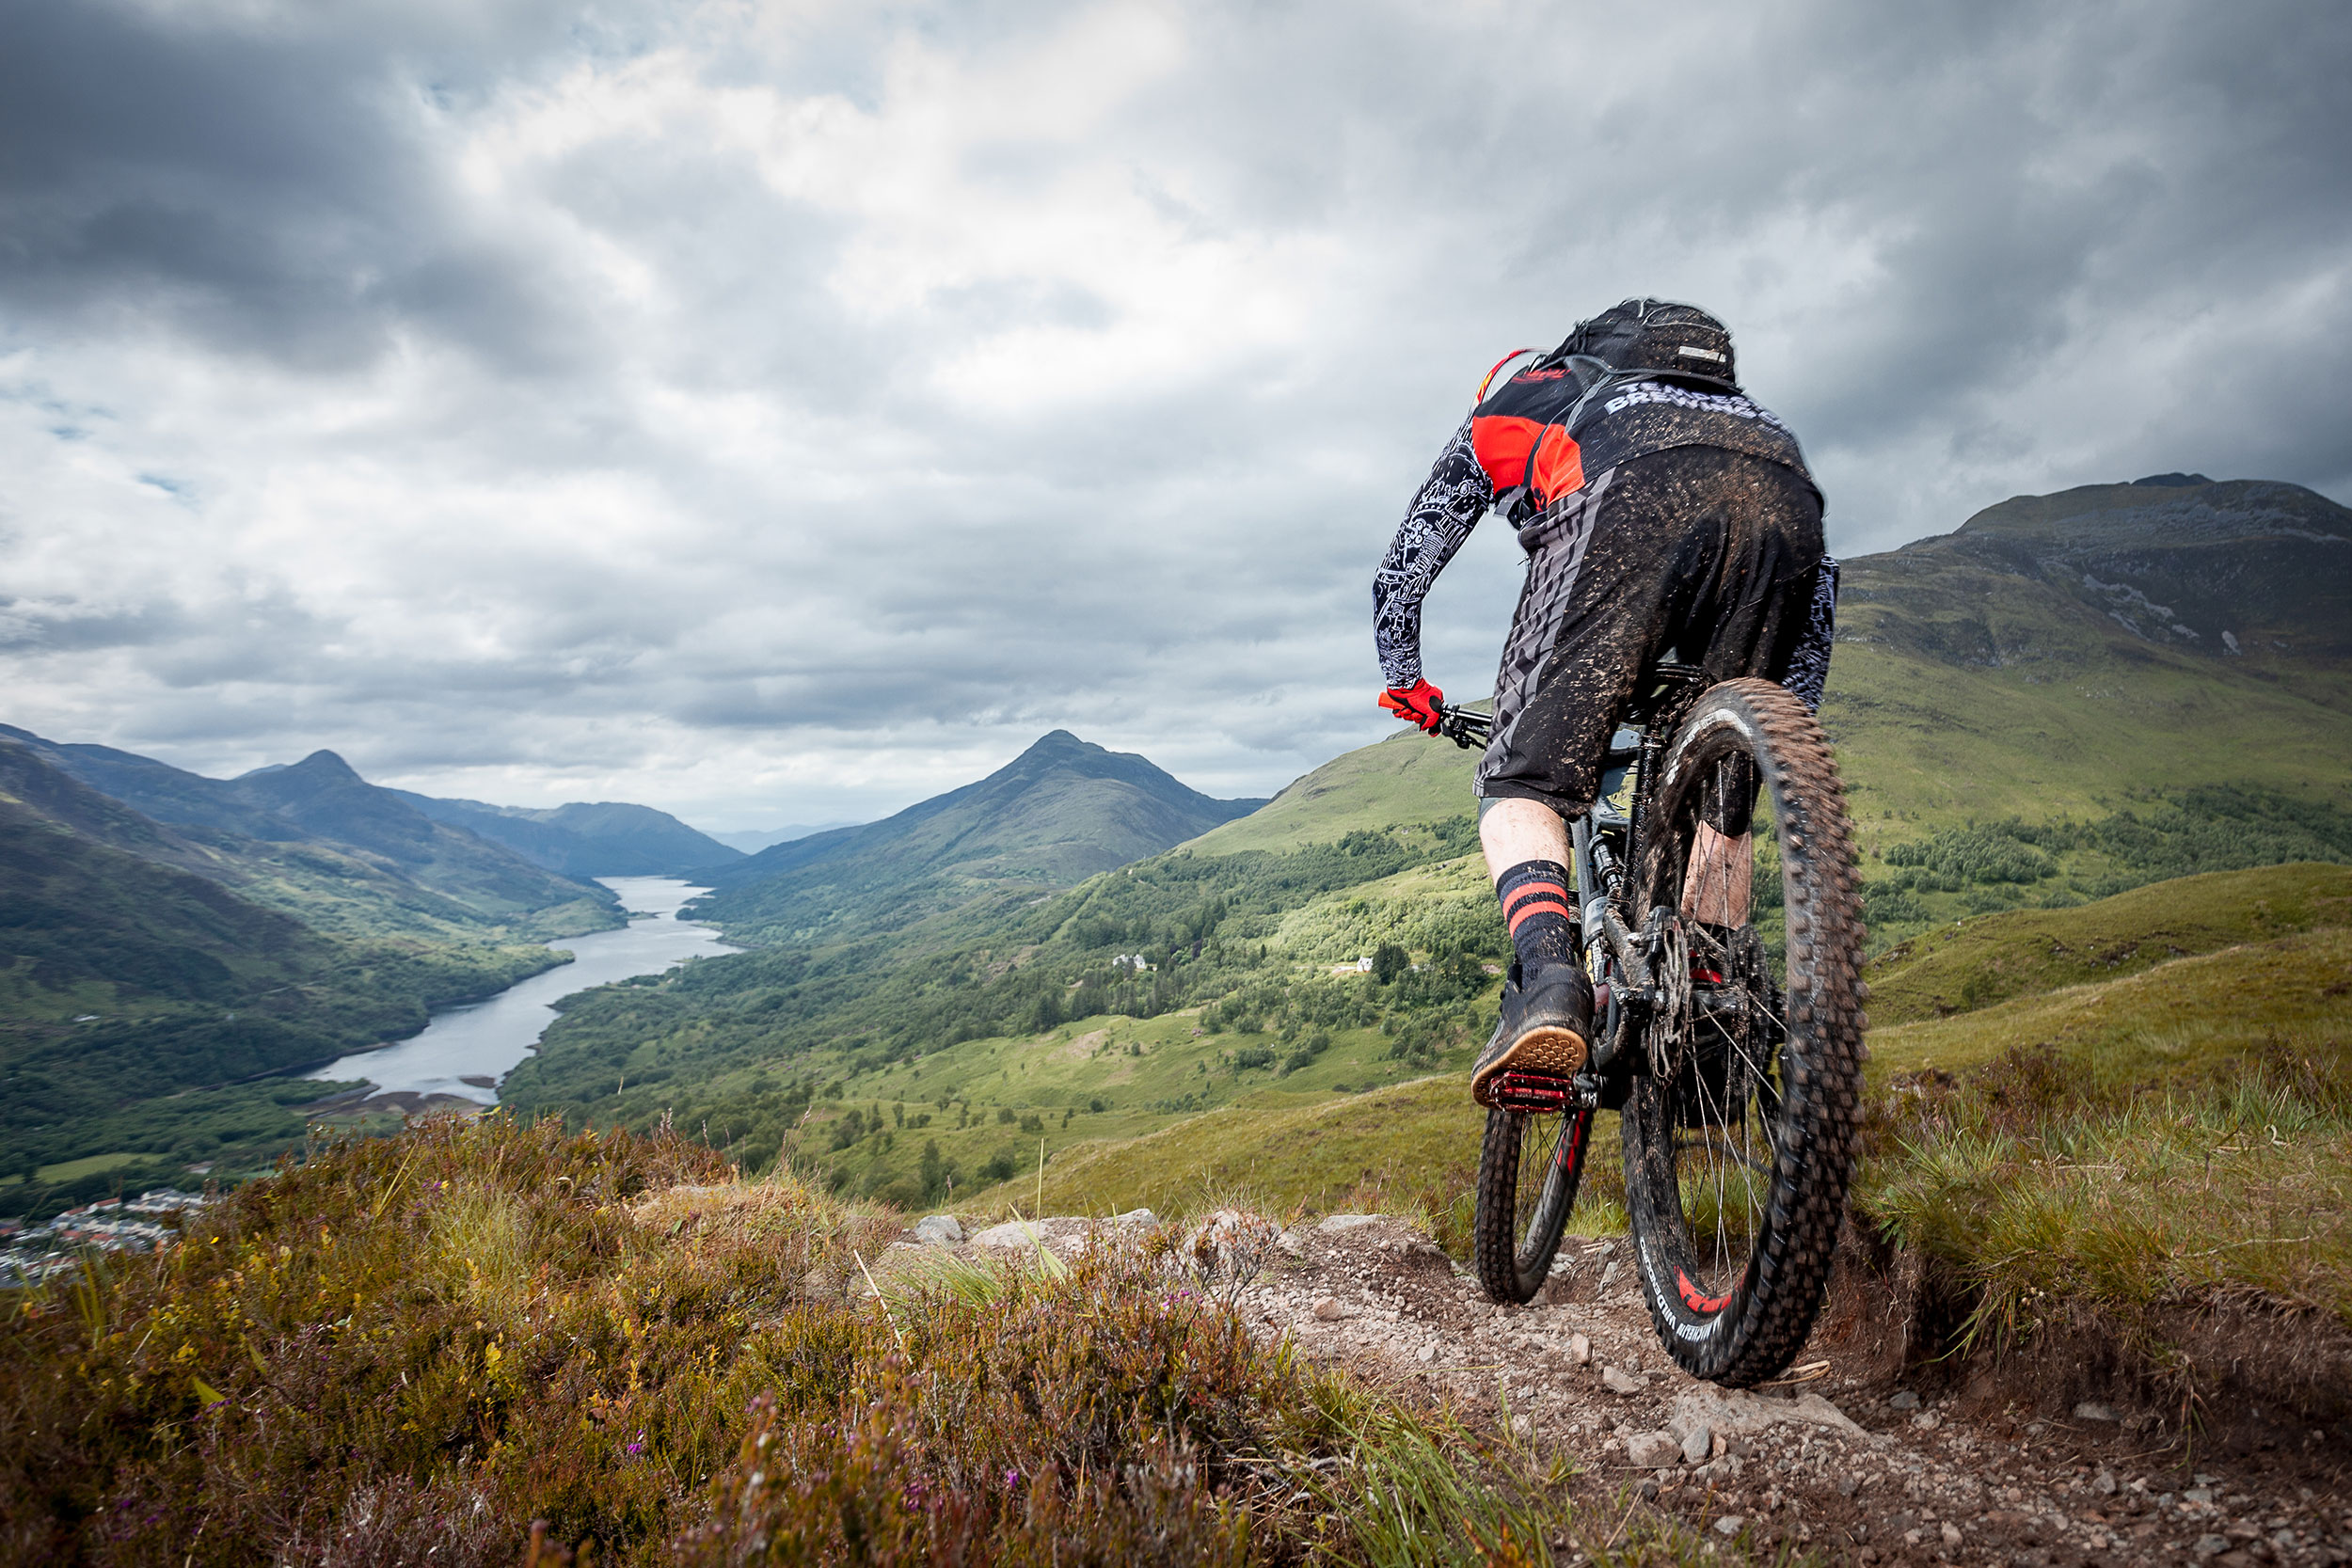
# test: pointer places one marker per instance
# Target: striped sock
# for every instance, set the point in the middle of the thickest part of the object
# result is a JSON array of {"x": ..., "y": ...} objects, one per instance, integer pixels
[{"x": 1535, "y": 905}]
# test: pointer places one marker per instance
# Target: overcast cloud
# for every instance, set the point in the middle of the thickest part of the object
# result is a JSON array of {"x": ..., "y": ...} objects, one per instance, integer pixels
[{"x": 782, "y": 412}]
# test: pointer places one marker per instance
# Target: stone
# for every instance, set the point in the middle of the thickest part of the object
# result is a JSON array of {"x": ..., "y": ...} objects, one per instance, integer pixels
[
  {"x": 1904, "y": 1399},
  {"x": 1609, "y": 1275},
  {"x": 1427, "y": 1353},
  {"x": 2104, "y": 1484},
  {"x": 1328, "y": 1310},
  {"x": 1653, "y": 1450},
  {"x": 1926, "y": 1421},
  {"x": 1339, "y": 1224},
  {"x": 1950, "y": 1533},
  {"x": 2091, "y": 1410},
  {"x": 939, "y": 1230},
  {"x": 1698, "y": 1445},
  {"x": 1620, "y": 1382},
  {"x": 1012, "y": 1233},
  {"x": 2210, "y": 1546},
  {"x": 1580, "y": 1349},
  {"x": 1291, "y": 1243},
  {"x": 1730, "y": 1524},
  {"x": 1137, "y": 1218},
  {"x": 1230, "y": 1245},
  {"x": 1734, "y": 1413}
]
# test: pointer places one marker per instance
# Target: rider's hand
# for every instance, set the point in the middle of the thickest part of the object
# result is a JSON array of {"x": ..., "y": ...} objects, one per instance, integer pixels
[{"x": 1416, "y": 705}]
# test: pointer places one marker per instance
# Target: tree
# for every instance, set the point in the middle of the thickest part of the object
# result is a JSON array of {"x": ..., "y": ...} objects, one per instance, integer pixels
[
  {"x": 933, "y": 1170},
  {"x": 1389, "y": 962}
]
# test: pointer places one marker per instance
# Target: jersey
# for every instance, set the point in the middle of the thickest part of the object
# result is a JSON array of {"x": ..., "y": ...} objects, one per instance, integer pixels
[{"x": 1517, "y": 449}]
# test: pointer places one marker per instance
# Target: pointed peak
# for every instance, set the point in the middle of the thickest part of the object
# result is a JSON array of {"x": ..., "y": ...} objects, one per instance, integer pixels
[{"x": 324, "y": 765}]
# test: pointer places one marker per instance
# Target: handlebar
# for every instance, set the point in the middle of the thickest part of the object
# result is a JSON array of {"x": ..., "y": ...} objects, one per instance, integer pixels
[{"x": 1465, "y": 727}]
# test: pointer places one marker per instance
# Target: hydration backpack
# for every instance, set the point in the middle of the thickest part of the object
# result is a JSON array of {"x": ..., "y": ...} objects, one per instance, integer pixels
[{"x": 1657, "y": 341}]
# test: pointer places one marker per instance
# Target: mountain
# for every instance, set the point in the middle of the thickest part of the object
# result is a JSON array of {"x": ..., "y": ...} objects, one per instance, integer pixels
[
  {"x": 1060, "y": 812},
  {"x": 750, "y": 841},
  {"x": 2057, "y": 653},
  {"x": 603, "y": 839},
  {"x": 315, "y": 835}
]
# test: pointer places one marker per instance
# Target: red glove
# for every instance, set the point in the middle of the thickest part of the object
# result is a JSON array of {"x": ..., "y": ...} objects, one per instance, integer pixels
[{"x": 1416, "y": 705}]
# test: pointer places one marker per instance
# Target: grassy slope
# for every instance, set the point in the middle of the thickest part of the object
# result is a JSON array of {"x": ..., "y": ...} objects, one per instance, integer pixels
[
  {"x": 1975, "y": 964},
  {"x": 1406, "y": 778}
]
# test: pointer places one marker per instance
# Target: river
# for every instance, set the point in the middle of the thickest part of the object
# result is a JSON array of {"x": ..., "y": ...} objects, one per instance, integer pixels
[{"x": 466, "y": 1051}]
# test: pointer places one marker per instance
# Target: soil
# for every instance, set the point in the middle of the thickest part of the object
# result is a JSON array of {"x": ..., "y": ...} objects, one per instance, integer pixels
[{"x": 1864, "y": 1453}]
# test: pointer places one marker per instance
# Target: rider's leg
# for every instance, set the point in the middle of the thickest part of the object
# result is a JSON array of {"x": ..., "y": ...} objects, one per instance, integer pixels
[
  {"x": 1515, "y": 831},
  {"x": 1715, "y": 888}
]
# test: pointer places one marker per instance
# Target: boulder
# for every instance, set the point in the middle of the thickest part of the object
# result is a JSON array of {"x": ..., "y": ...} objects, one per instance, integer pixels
[
  {"x": 1730, "y": 1412},
  {"x": 1012, "y": 1233},
  {"x": 1339, "y": 1224},
  {"x": 939, "y": 1230}
]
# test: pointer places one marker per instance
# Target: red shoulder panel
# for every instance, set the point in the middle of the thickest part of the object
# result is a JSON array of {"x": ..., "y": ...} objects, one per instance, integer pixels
[{"x": 1503, "y": 442}]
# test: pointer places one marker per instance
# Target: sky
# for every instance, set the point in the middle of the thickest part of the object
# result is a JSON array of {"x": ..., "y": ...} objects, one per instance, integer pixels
[{"x": 781, "y": 413}]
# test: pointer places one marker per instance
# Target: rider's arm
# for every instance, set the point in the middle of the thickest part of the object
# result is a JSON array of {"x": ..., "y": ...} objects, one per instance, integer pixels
[
  {"x": 1808, "y": 667},
  {"x": 1448, "y": 505}
]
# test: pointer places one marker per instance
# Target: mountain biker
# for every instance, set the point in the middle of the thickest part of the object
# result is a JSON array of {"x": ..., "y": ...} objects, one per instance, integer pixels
[{"x": 1660, "y": 509}]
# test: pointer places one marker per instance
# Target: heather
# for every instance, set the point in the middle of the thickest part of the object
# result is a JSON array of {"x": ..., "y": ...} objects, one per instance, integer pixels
[{"x": 408, "y": 1350}]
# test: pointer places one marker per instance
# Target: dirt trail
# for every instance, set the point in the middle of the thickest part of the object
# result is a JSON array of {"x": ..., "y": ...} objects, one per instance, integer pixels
[{"x": 1848, "y": 1463}]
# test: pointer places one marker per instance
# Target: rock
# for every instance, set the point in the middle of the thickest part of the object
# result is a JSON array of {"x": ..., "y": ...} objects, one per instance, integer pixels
[
  {"x": 2091, "y": 1410},
  {"x": 1730, "y": 1524},
  {"x": 1012, "y": 1233},
  {"x": 1427, "y": 1353},
  {"x": 1904, "y": 1399},
  {"x": 1926, "y": 1421},
  {"x": 1736, "y": 1412},
  {"x": 1339, "y": 1224},
  {"x": 1609, "y": 1275},
  {"x": 1698, "y": 1445},
  {"x": 1291, "y": 1243},
  {"x": 1653, "y": 1450},
  {"x": 1951, "y": 1533},
  {"x": 1136, "y": 1217},
  {"x": 2104, "y": 1484},
  {"x": 2210, "y": 1546},
  {"x": 1620, "y": 1382},
  {"x": 1580, "y": 1349},
  {"x": 1230, "y": 1245},
  {"x": 939, "y": 1230}
]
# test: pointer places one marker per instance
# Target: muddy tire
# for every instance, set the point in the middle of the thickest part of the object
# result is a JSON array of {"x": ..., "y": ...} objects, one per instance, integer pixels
[
  {"x": 1738, "y": 1137},
  {"x": 1527, "y": 1170}
]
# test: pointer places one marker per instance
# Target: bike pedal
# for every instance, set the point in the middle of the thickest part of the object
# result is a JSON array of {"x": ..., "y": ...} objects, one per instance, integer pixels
[{"x": 1529, "y": 1091}]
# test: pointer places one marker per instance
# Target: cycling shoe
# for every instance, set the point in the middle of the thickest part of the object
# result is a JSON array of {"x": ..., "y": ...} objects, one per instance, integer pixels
[{"x": 1546, "y": 1025}]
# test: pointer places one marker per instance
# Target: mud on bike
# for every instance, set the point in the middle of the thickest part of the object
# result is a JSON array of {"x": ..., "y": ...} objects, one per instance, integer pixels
[{"x": 1732, "y": 1054}]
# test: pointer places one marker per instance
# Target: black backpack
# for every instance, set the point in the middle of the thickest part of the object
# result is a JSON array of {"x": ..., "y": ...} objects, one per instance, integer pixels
[{"x": 1655, "y": 339}]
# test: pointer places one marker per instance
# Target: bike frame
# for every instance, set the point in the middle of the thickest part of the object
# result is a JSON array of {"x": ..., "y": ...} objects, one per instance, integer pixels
[{"x": 1604, "y": 846}]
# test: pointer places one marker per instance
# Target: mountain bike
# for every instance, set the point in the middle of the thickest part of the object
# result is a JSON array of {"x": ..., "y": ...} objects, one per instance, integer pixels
[{"x": 1731, "y": 1053}]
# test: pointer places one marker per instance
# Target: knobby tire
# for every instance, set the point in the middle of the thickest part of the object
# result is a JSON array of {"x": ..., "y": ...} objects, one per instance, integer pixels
[{"x": 1733, "y": 1298}]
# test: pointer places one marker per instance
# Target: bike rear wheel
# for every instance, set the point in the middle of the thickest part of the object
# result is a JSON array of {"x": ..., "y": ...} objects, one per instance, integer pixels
[
  {"x": 1739, "y": 1135},
  {"x": 1527, "y": 1170}
]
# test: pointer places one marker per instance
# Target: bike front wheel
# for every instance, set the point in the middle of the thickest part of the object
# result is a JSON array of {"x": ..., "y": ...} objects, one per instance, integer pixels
[
  {"x": 1528, "y": 1168},
  {"x": 1740, "y": 1127}
]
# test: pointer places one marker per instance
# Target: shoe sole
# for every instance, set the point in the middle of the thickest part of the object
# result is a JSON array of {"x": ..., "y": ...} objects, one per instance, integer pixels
[{"x": 1547, "y": 1049}]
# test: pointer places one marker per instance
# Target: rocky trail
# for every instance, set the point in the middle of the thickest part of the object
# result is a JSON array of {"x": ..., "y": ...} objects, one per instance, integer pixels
[{"x": 1848, "y": 1459}]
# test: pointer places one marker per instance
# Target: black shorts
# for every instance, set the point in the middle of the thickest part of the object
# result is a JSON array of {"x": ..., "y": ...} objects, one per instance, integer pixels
[{"x": 1713, "y": 554}]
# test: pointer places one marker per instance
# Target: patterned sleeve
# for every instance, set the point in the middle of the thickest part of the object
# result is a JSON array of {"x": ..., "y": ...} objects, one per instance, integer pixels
[
  {"x": 1808, "y": 668},
  {"x": 1448, "y": 505}
]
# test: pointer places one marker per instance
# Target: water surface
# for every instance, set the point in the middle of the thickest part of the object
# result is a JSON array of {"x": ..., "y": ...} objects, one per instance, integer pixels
[{"x": 465, "y": 1049}]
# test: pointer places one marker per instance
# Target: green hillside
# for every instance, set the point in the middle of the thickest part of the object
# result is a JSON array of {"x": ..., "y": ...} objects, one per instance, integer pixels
[
  {"x": 1060, "y": 812},
  {"x": 1406, "y": 778},
  {"x": 126, "y": 982}
]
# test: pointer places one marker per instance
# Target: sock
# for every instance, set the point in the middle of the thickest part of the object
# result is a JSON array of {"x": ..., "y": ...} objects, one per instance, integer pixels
[{"x": 1535, "y": 905}]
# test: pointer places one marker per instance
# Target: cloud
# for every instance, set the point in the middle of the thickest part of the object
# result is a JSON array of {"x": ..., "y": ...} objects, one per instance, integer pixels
[{"x": 784, "y": 413}]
